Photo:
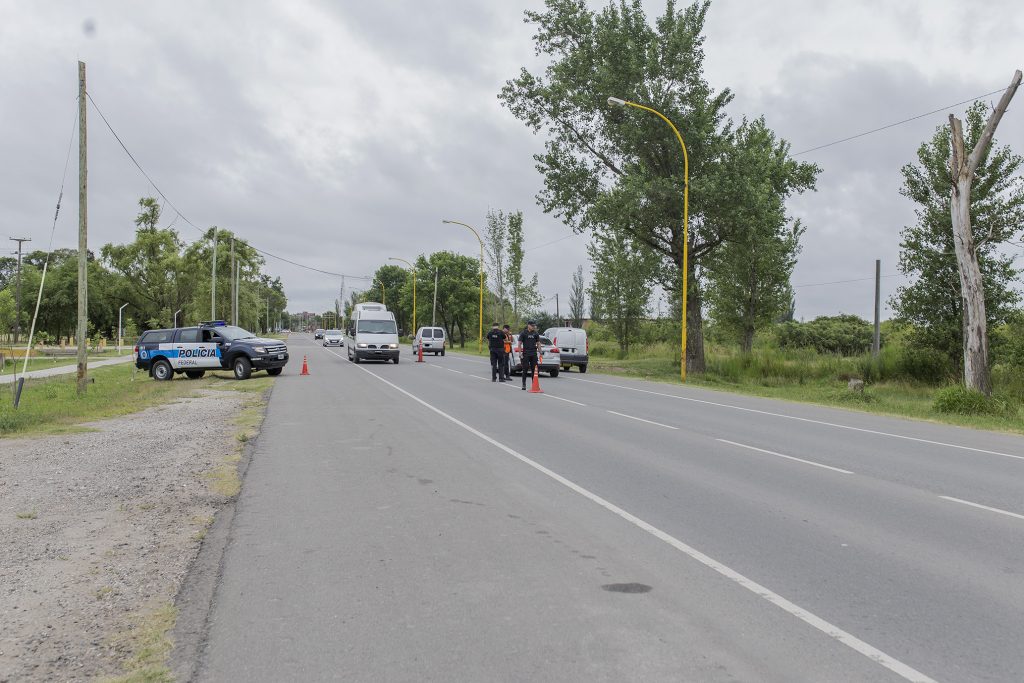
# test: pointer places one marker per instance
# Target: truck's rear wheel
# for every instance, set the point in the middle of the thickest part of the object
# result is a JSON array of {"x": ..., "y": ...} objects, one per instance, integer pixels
[
  {"x": 274, "y": 372},
  {"x": 242, "y": 367},
  {"x": 162, "y": 370},
  {"x": 194, "y": 374},
  {"x": 583, "y": 368}
]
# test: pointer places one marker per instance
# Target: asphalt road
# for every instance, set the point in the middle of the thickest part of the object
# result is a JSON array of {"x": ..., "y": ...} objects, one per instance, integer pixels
[{"x": 418, "y": 522}]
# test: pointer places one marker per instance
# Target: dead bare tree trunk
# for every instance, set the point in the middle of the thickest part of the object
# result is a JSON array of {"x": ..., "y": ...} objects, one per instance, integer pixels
[{"x": 972, "y": 289}]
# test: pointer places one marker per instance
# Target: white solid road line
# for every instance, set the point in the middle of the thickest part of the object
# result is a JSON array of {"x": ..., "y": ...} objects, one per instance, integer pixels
[
  {"x": 787, "y": 457},
  {"x": 640, "y": 419},
  {"x": 829, "y": 629},
  {"x": 559, "y": 398},
  {"x": 983, "y": 507},
  {"x": 805, "y": 419}
]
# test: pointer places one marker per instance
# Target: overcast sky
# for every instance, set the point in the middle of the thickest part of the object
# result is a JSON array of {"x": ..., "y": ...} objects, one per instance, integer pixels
[{"x": 339, "y": 134}]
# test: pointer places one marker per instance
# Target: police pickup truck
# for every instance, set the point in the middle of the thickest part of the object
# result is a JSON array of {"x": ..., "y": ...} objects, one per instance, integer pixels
[{"x": 212, "y": 345}]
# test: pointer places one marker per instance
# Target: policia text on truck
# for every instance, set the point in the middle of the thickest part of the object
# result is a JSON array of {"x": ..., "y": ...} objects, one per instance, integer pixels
[{"x": 212, "y": 345}]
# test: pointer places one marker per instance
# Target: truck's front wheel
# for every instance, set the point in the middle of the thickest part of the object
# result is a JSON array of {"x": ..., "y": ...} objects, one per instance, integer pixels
[{"x": 242, "y": 367}]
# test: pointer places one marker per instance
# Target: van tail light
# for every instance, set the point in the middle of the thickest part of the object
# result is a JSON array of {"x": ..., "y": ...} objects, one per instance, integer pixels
[
  {"x": 588, "y": 347},
  {"x": 136, "y": 349},
  {"x": 519, "y": 349},
  {"x": 555, "y": 340},
  {"x": 554, "y": 349}
]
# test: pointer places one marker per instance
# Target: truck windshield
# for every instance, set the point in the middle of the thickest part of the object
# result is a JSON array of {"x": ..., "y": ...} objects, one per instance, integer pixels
[
  {"x": 377, "y": 327},
  {"x": 232, "y": 332}
]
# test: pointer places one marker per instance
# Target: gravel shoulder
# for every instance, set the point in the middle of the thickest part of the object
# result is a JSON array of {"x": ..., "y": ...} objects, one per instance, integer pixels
[{"x": 98, "y": 530}]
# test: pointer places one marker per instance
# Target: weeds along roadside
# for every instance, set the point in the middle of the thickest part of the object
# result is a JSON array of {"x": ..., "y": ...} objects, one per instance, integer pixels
[{"x": 895, "y": 385}]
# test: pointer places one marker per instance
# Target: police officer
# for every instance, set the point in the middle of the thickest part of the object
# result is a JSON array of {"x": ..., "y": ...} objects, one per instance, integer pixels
[
  {"x": 496, "y": 344},
  {"x": 507, "y": 360},
  {"x": 529, "y": 342}
]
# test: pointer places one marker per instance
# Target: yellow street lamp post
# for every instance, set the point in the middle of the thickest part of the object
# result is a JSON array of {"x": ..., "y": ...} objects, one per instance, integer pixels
[
  {"x": 413, "y": 269},
  {"x": 480, "y": 338},
  {"x": 686, "y": 216}
]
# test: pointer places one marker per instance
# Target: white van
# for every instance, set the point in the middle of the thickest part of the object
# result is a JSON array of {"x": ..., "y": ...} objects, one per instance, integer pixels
[
  {"x": 431, "y": 339},
  {"x": 374, "y": 334},
  {"x": 572, "y": 342}
]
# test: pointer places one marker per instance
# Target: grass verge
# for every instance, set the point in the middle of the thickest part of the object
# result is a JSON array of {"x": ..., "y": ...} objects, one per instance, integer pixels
[
  {"x": 894, "y": 398},
  {"x": 224, "y": 479},
  {"x": 149, "y": 642},
  {"x": 52, "y": 405}
]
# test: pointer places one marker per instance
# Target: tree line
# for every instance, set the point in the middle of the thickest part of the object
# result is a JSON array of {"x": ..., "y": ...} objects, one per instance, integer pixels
[{"x": 157, "y": 274}]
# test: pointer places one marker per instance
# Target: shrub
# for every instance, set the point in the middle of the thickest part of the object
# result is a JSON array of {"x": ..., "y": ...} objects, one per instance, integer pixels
[
  {"x": 844, "y": 334},
  {"x": 960, "y": 400},
  {"x": 925, "y": 365}
]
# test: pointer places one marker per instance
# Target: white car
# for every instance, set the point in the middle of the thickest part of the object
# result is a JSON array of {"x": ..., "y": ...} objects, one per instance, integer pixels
[
  {"x": 550, "y": 357},
  {"x": 432, "y": 340},
  {"x": 334, "y": 338}
]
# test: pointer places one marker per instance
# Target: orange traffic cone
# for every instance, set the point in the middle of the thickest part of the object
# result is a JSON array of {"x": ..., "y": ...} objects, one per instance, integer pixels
[
  {"x": 305, "y": 368},
  {"x": 535, "y": 389},
  {"x": 419, "y": 358}
]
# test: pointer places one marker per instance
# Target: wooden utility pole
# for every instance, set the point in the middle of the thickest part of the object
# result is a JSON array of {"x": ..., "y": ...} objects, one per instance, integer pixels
[
  {"x": 876, "y": 342},
  {"x": 972, "y": 286},
  {"x": 17, "y": 289},
  {"x": 83, "y": 243}
]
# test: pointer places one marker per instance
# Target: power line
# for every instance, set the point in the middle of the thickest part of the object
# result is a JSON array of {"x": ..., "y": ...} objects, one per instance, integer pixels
[
  {"x": 547, "y": 244},
  {"x": 179, "y": 214},
  {"x": 842, "y": 282},
  {"x": 898, "y": 123}
]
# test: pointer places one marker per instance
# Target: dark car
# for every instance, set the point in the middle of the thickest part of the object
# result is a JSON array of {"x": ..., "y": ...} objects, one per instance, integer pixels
[{"x": 212, "y": 345}]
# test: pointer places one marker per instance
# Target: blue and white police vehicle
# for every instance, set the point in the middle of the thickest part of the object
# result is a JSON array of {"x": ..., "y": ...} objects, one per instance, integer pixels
[{"x": 213, "y": 345}]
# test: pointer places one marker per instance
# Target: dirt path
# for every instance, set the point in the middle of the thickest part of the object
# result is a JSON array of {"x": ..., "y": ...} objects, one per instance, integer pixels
[{"x": 98, "y": 529}]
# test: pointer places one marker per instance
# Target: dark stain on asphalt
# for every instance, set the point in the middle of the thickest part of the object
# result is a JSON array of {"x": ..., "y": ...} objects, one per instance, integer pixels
[
  {"x": 626, "y": 588},
  {"x": 467, "y": 502},
  {"x": 425, "y": 481}
]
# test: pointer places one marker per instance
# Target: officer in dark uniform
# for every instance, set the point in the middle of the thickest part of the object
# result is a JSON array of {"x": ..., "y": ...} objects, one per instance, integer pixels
[
  {"x": 496, "y": 344},
  {"x": 529, "y": 342}
]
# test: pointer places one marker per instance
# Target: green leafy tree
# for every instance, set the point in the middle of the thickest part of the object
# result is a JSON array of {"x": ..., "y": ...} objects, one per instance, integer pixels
[
  {"x": 576, "y": 297},
  {"x": 457, "y": 292},
  {"x": 620, "y": 290},
  {"x": 6, "y": 311},
  {"x": 749, "y": 275},
  {"x": 523, "y": 292},
  {"x": 496, "y": 247},
  {"x": 620, "y": 171},
  {"x": 153, "y": 275},
  {"x": 395, "y": 280},
  {"x": 933, "y": 301}
]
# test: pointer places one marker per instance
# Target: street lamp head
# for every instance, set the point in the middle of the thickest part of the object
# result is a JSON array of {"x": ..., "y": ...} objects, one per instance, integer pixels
[{"x": 613, "y": 101}]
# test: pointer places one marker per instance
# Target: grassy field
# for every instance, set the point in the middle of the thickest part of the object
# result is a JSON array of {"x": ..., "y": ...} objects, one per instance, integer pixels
[
  {"x": 801, "y": 376},
  {"x": 52, "y": 405}
]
